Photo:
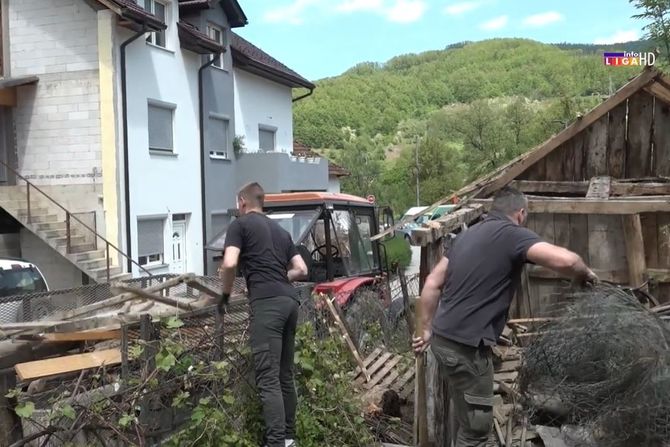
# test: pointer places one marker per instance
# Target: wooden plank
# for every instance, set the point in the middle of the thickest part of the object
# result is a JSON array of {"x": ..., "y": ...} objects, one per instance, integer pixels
[
  {"x": 378, "y": 376},
  {"x": 554, "y": 187},
  {"x": 599, "y": 188},
  {"x": 379, "y": 363},
  {"x": 562, "y": 230},
  {"x": 91, "y": 335},
  {"x": 592, "y": 206},
  {"x": 579, "y": 157},
  {"x": 640, "y": 189},
  {"x": 616, "y": 276},
  {"x": 404, "y": 380},
  {"x": 512, "y": 365},
  {"x": 506, "y": 377},
  {"x": 596, "y": 153},
  {"x": 554, "y": 164},
  {"x": 347, "y": 337},
  {"x": 663, "y": 240},
  {"x": 66, "y": 364},
  {"x": 650, "y": 237},
  {"x": 659, "y": 275},
  {"x": 568, "y": 163},
  {"x": 662, "y": 139},
  {"x": 640, "y": 121},
  {"x": 544, "y": 227},
  {"x": 607, "y": 250},
  {"x": 632, "y": 230},
  {"x": 616, "y": 141}
]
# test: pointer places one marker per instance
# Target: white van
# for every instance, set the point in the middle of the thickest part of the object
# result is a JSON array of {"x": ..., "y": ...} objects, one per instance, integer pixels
[{"x": 18, "y": 277}]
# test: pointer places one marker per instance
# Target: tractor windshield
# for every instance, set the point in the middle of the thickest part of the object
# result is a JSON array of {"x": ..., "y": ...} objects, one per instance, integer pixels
[
  {"x": 297, "y": 223},
  {"x": 353, "y": 229}
]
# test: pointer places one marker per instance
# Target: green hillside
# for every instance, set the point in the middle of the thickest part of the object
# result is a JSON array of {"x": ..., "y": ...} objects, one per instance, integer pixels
[
  {"x": 374, "y": 98},
  {"x": 461, "y": 112}
]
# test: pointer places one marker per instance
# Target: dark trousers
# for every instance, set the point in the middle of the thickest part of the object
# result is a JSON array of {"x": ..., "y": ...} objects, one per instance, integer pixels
[
  {"x": 272, "y": 337},
  {"x": 469, "y": 372}
]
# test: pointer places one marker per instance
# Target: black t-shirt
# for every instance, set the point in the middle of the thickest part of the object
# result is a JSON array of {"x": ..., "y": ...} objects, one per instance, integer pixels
[
  {"x": 485, "y": 263},
  {"x": 265, "y": 252}
]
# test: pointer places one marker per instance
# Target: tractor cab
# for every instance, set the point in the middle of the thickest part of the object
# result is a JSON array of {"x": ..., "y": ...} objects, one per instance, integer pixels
[{"x": 332, "y": 233}]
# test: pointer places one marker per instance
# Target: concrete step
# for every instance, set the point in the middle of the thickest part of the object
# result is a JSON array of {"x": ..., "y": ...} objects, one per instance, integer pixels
[
  {"x": 93, "y": 264},
  {"x": 45, "y": 218},
  {"x": 50, "y": 226},
  {"x": 88, "y": 255},
  {"x": 61, "y": 241},
  {"x": 80, "y": 248},
  {"x": 34, "y": 212},
  {"x": 100, "y": 274}
]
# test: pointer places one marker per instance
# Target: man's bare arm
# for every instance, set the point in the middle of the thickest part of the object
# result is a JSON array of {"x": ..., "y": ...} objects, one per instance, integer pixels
[
  {"x": 430, "y": 294},
  {"x": 560, "y": 260},
  {"x": 297, "y": 269},
  {"x": 228, "y": 267}
]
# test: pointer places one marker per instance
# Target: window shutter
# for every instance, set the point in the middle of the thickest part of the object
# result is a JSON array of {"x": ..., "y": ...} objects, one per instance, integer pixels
[
  {"x": 218, "y": 134},
  {"x": 150, "y": 237},
  {"x": 266, "y": 140},
  {"x": 160, "y": 128}
]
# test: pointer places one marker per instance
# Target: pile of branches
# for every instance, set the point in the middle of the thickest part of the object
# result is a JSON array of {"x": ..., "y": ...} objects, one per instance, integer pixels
[{"x": 603, "y": 364}]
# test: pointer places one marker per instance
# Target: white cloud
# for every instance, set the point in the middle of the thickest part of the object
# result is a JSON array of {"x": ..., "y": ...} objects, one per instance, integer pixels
[
  {"x": 360, "y": 5},
  {"x": 618, "y": 37},
  {"x": 461, "y": 8},
  {"x": 495, "y": 24},
  {"x": 292, "y": 13},
  {"x": 406, "y": 11},
  {"x": 542, "y": 19}
]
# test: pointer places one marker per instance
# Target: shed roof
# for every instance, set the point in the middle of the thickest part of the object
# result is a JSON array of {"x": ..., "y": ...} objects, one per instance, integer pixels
[
  {"x": 232, "y": 8},
  {"x": 249, "y": 57},
  {"x": 649, "y": 80}
]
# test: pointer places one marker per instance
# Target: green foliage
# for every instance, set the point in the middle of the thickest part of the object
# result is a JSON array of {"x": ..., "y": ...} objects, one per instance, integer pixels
[
  {"x": 328, "y": 412},
  {"x": 657, "y": 13},
  {"x": 398, "y": 251},
  {"x": 25, "y": 409}
]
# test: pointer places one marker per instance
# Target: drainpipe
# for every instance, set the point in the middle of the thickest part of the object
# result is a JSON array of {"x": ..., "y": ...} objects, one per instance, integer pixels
[
  {"x": 311, "y": 90},
  {"x": 201, "y": 108},
  {"x": 126, "y": 164}
]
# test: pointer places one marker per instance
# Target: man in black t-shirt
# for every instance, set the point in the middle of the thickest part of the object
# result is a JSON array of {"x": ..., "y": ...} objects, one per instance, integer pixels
[
  {"x": 269, "y": 262},
  {"x": 466, "y": 298}
]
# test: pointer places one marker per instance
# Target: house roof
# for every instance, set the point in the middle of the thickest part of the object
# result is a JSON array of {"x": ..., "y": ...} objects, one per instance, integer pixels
[
  {"x": 249, "y": 57},
  {"x": 334, "y": 170},
  {"x": 192, "y": 39},
  {"x": 130, "y": 10},
  {"x": 316, "y": 198},
  {"x": 650, "y": 81},
  {"x": 232, "y": 8}
]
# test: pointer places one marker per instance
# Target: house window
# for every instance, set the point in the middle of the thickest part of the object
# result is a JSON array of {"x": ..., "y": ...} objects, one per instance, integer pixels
[
  {"x": 266, "y": 139},
  {"x": 161, "y": 118},
  {"x": 150, "y": 241},
  {"x": 216, "y": 33},
  {"x": 218, "y": 137},
  {"x": 158, "y": 9}
]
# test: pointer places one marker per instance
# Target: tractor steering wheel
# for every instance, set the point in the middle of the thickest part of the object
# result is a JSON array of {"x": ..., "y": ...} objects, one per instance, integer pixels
[{"x": 335, "y": 251}]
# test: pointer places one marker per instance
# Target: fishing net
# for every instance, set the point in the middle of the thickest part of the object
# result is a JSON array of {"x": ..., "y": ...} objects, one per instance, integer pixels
[{"x": 603, "y": 363}]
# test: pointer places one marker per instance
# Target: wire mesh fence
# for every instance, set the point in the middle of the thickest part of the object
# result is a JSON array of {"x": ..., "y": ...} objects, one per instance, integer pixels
[{"x": 174, "y": 368}]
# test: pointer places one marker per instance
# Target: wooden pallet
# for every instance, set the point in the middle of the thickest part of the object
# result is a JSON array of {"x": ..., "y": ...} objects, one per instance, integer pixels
[{"x": 390, "y": 371}]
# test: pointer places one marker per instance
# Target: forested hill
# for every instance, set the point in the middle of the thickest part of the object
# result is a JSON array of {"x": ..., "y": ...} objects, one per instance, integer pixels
[{"x": 375, "y": 98}]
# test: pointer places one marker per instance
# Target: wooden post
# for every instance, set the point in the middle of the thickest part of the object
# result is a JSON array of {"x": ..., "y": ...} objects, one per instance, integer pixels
[
  {"x": 420, "y": 404},
  {"x": 637, "y": 266}
]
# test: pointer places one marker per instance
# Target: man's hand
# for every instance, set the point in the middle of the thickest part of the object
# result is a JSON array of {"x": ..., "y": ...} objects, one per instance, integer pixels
[
  {"x": 420, "y": 344},
  {"x": 222, "y": 305}
]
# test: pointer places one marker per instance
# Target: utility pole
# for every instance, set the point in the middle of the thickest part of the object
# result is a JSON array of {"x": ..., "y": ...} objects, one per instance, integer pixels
[{"x": 416, "y": 160}]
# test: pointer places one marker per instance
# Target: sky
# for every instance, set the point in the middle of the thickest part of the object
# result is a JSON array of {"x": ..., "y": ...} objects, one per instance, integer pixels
[{"x": 322, "y": 38}]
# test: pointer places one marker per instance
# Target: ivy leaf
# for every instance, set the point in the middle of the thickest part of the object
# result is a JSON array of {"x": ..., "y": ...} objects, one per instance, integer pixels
[
  {"x": 165, "y": 360},
  {"x": 228, "y": 399},
  {"x": 135, "y": 351},
  {"x": 16, "y": 392},
  {"x": 25, "y": 409},
  {"x": 174, "y": 323},
  {"x": 68, "y": 412},
  {"x": 125, "y": 420},
  {"x": 179, "y": 400}
]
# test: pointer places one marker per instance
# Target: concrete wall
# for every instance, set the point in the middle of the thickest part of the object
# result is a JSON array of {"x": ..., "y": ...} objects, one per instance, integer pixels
[
  {"x": 218, "y": 93},
  {"x": 10, "y": 245},
  {"x": 165, "y": 184},
  {"x": 259, "y": 101},
  {"x": 334, "y": 184},
  {"x": 280, "y": 172},
  {"x": 58, "y": 120},
  {"x": 58, "y": 272}
]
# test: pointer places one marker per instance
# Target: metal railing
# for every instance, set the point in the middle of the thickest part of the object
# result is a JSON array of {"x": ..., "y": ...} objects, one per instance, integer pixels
[{"x": 69, "y": 218}]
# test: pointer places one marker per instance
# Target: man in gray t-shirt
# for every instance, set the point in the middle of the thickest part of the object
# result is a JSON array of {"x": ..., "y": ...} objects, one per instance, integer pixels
[{"x": 466, "y": 299}]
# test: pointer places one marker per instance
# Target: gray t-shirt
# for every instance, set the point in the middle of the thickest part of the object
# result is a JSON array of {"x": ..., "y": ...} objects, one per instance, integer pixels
[{"x": 485, "y": 263}]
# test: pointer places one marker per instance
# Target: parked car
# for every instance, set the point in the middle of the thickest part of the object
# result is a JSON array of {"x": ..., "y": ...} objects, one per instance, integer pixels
[
  {"x": 406, "y": 230},
  {"x": 17, "y": 277}
]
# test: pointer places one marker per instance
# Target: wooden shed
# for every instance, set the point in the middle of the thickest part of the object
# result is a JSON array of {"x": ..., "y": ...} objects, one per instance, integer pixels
[{"x": 601, "y": 188}]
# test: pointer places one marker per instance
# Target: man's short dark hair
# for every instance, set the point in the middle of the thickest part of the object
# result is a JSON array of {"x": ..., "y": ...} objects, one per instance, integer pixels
[
  {"x": 253, "y": 194},
  {"x": 509, "y": 200}
]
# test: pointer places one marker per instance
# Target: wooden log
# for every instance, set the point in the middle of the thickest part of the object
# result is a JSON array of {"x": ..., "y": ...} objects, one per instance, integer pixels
[
  {"x": 632, "y": 230},
  {"x": 120, "y": 299},
  {"x": 70, "y": 363},
  {"x": 167, "y": 300},
  {"x": 499, "y": 432},
  {"x": 420, "y": 403}
]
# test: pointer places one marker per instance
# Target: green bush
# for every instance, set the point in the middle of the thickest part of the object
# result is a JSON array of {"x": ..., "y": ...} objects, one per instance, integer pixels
[{"x": 399, "y": 252}]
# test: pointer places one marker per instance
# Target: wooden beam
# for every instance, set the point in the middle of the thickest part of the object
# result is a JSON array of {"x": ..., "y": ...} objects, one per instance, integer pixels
[
  {"x": 66, "y": 364},
  {"x": 92, "y": 335},
  {"x": 446, "y": 224},
  {"x": 618, "y": 188},
  {"x": 640, "y": 189},
  {"x": 599, "y": 188},
  {"x": 659, "y": 275},
  {"x": 614, "y": 276},
  {"x": 632, "y": 230},
  {"x": 595, "y": 206}
]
